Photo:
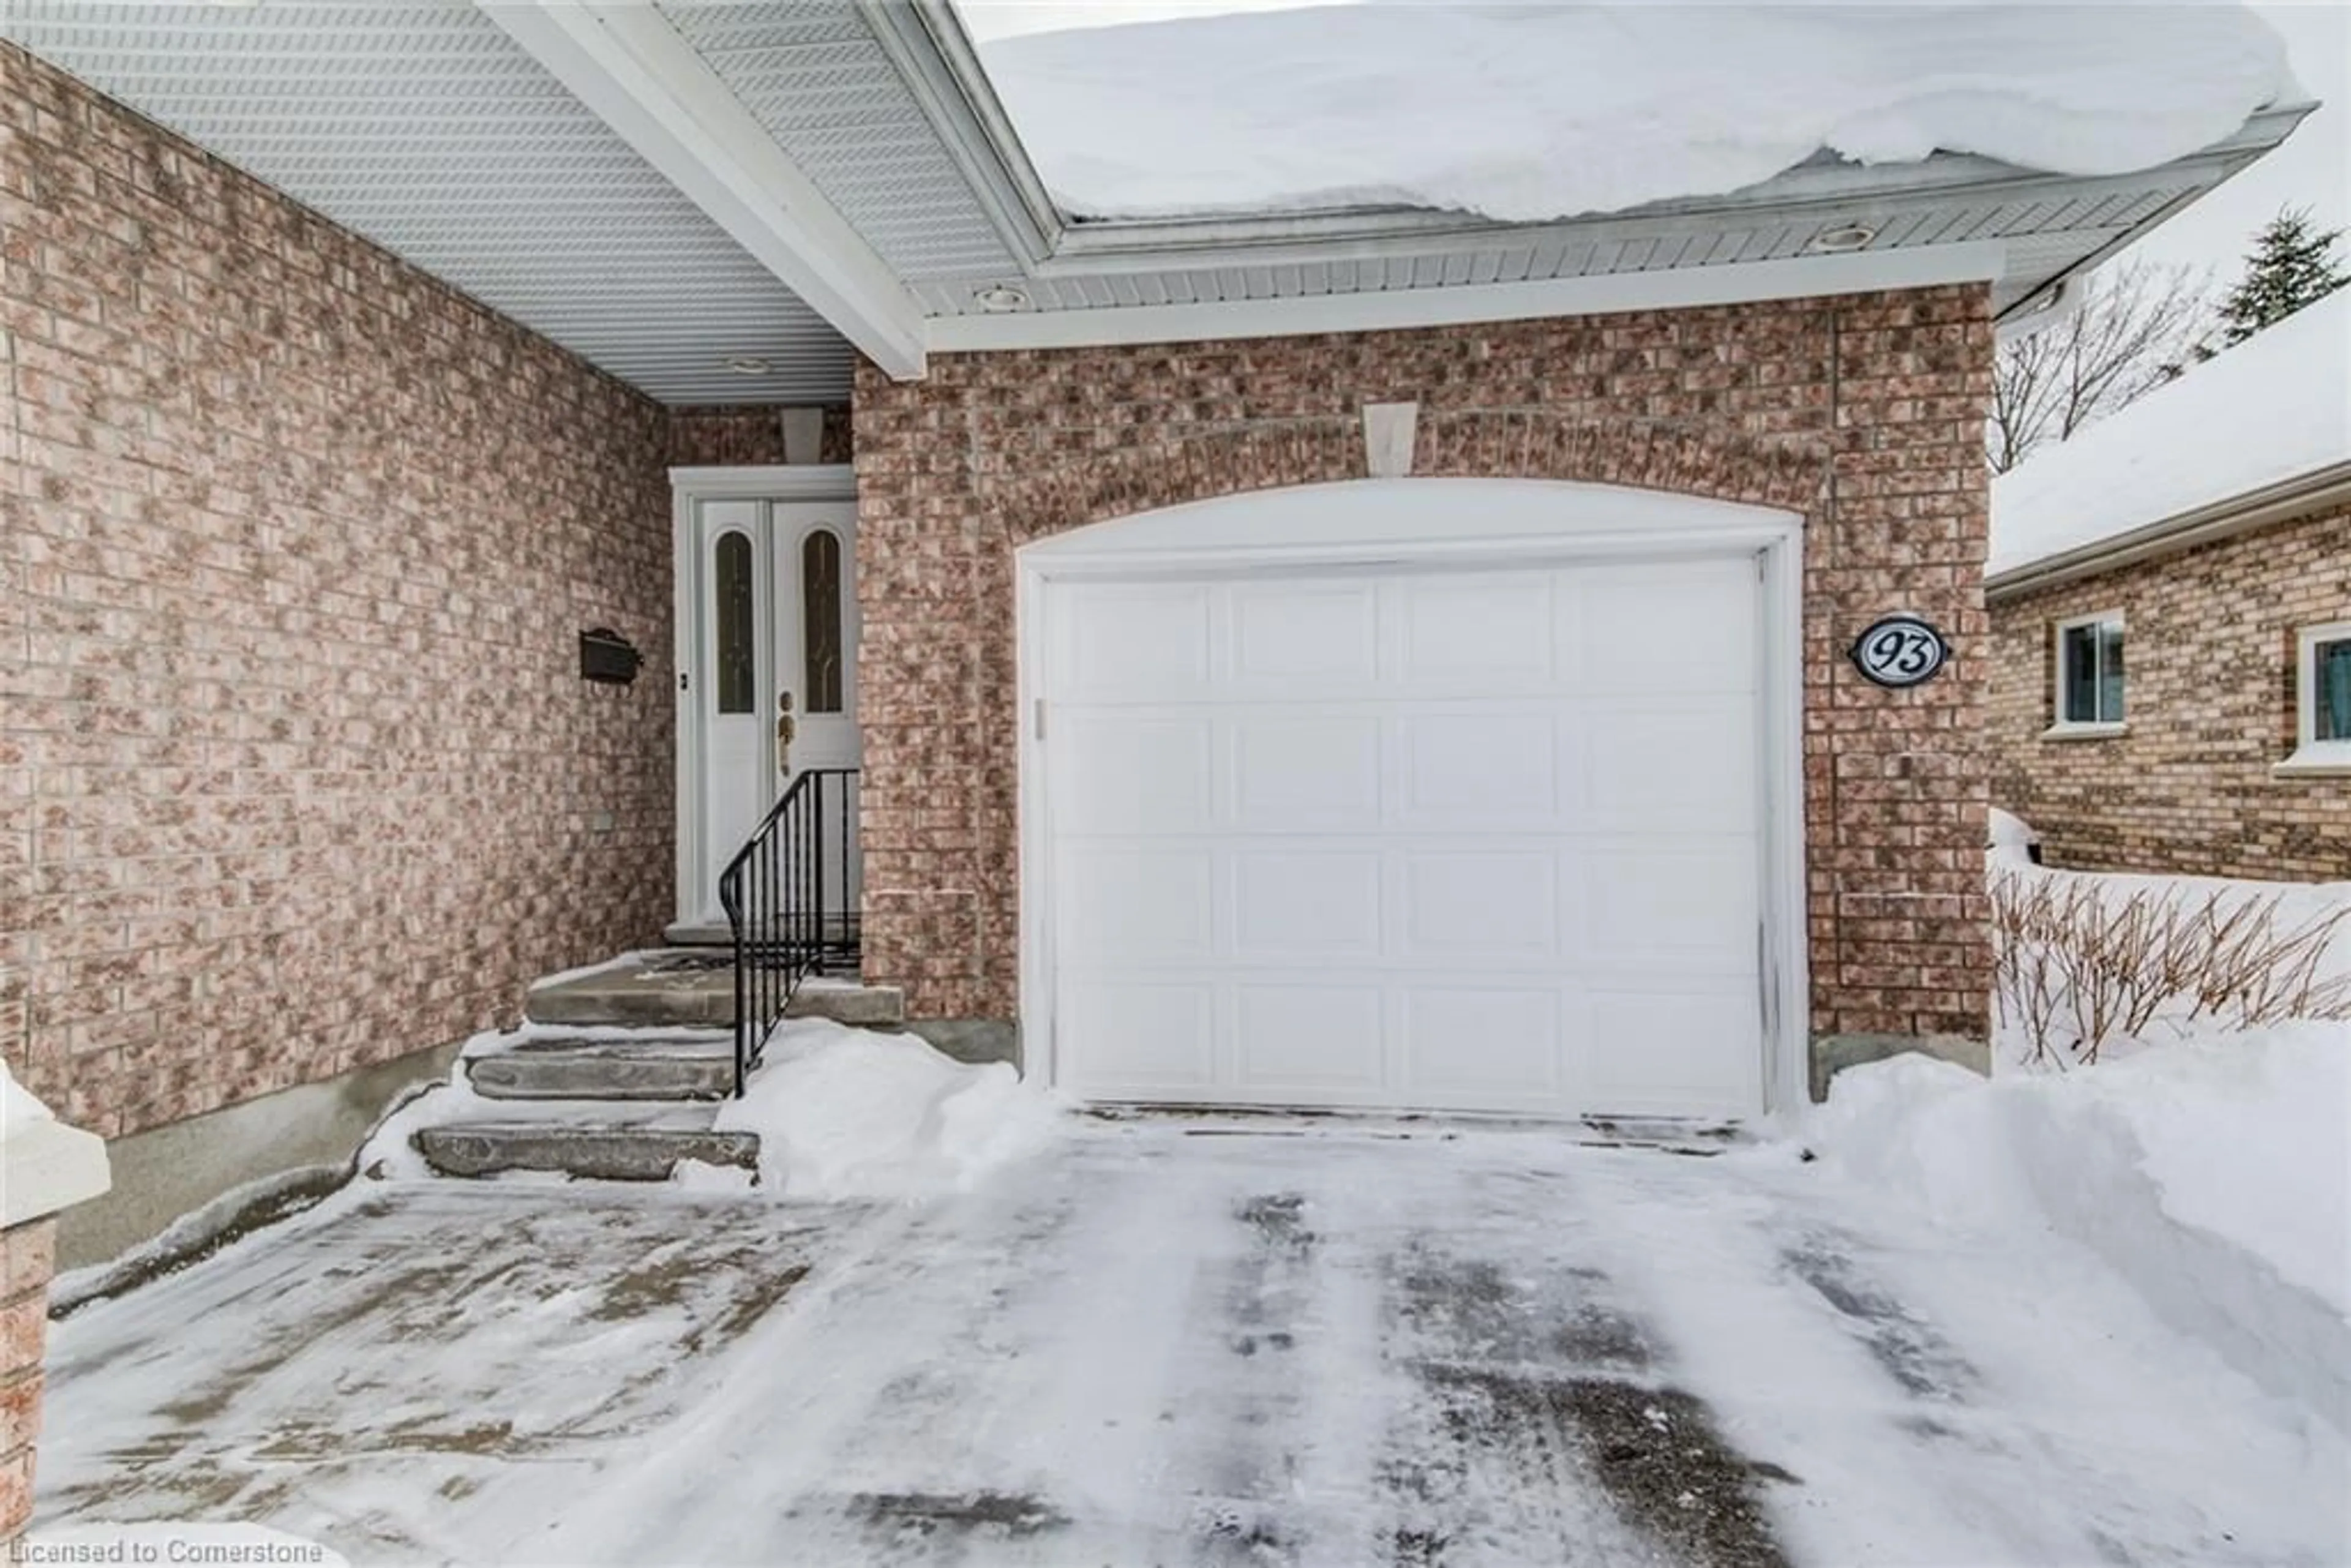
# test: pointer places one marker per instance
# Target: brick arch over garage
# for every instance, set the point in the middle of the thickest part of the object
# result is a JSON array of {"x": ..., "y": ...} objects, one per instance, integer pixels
[
  {"x": 1862, "y": 415},
  {"x": 1642, "y": 455}
]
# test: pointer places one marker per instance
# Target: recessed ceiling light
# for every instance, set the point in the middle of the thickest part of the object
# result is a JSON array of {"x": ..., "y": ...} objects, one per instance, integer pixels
[
  {"x": 748, "y": 365},
  {"x": 1843, "y": 237},
  {"x": 1000, "y": 297}
]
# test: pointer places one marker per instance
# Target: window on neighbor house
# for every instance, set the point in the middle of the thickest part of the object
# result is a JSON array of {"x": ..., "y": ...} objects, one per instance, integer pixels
[
  {"x": 2322, "y": 680},
  {"x": 734, "y": 624},
  {"x": 820, "y": 637},
  {"x": 2090, "y": 672}
]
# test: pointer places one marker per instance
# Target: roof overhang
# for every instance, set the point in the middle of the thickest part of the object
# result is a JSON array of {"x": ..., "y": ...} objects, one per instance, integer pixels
[
  {"x": 2288, "y": 498},
  {"x": 1795, "y": 277},
  {"x": 628, "y": 64},
  {"x": 1444, "y": 254}
]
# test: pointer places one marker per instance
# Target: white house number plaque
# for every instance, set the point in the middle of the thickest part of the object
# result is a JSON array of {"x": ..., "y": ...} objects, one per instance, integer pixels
[{"x": 1901, "y": 650}]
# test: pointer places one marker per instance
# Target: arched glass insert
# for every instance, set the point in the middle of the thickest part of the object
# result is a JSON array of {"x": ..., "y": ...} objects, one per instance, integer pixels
[
  {"x": 821, "y": 620},
  {"x": 734, "y": 611}
]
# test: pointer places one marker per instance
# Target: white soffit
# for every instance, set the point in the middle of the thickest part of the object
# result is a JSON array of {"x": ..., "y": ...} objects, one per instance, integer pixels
[
  {"x": 819, "y": 81},
  {"x": 423, "y": 127}
]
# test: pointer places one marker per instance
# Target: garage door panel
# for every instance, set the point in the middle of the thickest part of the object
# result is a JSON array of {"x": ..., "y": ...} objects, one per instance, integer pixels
[
  {"x": 1482, "y": 631},
  {"x": 1483, "y": 1048},
  {"x": 1669, "y": 903},
  {"x": 1688, "y": 765},
  {"x": 1293, "y": 639},
  {"x": 1669, "y": 627},
  {"x": 1145, "y": 1037},
  {"x": 1288, "y": 906},
  {"x": 1135, "y": 642},
  {"x": 1412, "y": 838},
  {"x": 1495, "y": 769},
  {"x": 1678, "y": 1050},
  {"x": 1139, "y": 906},
  {"x": 1116, "y": 774},
  {"x": 1295, "y": 772},
  {"x": 1311, "y": 1039},
  {"x": 1494, "y": 905}
]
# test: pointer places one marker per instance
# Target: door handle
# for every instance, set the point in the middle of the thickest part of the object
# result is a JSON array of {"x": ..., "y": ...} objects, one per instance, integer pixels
[{"x": 787, "y": 726}]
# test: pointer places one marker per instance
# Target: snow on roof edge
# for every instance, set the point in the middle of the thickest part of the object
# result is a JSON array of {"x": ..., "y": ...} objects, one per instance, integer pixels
[
  {"x": 1522, "y": 114},
  {"x": 2274, "y": 409}
]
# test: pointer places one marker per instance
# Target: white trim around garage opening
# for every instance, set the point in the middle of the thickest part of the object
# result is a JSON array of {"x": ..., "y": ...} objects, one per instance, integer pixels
[{"x": 1386, "y": 522}]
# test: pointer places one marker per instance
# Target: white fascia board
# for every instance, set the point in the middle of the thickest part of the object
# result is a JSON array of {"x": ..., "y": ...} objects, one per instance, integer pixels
[
  {"x": 1796, "y": 278},
  {"x": 633, "y": 70}
]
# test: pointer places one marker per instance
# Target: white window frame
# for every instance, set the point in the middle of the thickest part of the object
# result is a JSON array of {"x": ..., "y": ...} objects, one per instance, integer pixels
[
  {"x": 2063, "y": 729},
  {"x": 2312, "y": 755}
]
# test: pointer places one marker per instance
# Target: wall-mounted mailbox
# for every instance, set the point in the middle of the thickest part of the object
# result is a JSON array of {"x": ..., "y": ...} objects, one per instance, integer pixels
[{"x": 605, "y": 655}]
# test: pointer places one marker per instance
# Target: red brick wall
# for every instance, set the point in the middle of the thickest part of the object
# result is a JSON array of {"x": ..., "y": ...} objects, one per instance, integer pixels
[
  {"x": 26, "y": 1253},
  {"x": 2208, "y": 651},
  {"x": 1863, "y": 412},
  {"x": 300, "y": 773},
  {"x": 726, "y": 433}
]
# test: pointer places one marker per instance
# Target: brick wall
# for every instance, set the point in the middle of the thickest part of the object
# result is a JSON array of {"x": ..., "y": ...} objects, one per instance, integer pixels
[
  {"x": 2209, "y": 657},
  {"x": 300, "y": 773},
  {"x": 726, "y": 433},
  {"x": 26, "y": 1253},
  {"x": 1863, "y": 412}
]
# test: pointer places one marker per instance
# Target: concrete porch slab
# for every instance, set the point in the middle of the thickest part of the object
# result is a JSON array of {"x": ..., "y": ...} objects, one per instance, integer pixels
[{"x": 695, "y": 987}]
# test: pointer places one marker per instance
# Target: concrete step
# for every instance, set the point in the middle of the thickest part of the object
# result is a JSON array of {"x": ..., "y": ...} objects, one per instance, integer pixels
[
  {"x": 686, "y": 989},
  {"x": 618, "y": 1149},
  {"x": 651, "y": 1067}
]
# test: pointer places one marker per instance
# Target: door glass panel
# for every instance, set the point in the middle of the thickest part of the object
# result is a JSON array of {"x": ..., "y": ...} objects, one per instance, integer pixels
[
  {"x": 821, "y": 620},
  {"x": 737, "y": 649}
]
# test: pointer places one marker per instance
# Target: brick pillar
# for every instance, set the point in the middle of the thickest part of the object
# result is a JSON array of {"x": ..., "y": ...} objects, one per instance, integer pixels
[
  {"x": 26, "y": 1256},
  {"x": 45, "y": 1167}
]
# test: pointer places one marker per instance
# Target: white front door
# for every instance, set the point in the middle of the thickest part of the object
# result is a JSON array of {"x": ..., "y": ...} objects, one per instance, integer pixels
[
  {"x": 1409, "y": 837},
  {"x": 773, "y": 611}
]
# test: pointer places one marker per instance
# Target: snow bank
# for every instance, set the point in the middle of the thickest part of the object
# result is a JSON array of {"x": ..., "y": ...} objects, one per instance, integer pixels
[
  {"x": 848, "y": 1112},
  {"x": 2295, "y": 908},
  {"x": 2011, "y": 837},
  {"x": 1531, "y": 112},
  {"x": 2298, "y": 902},
  {"x": 2214, "y": 1174}
]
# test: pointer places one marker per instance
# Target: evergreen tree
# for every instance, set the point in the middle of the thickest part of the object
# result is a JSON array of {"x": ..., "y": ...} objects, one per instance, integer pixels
[{"x": 2290, "y": 266}]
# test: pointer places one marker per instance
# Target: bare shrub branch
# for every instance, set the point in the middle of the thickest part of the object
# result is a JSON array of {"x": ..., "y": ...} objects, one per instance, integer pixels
[{"x": 2077, "y": 969}]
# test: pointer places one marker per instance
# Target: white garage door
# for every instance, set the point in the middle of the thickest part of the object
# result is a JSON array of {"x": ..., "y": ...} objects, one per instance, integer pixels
[{"x": 1408, "y": 838}]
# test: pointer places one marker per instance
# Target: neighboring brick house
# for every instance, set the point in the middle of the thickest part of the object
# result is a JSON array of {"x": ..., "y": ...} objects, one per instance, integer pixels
[
  {"x": 323, "y": 454},
  {"x": 2170, "y": 596}
]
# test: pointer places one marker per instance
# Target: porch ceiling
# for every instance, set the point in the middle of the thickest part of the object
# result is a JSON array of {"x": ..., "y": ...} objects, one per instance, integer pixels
[{"x": 423, "y": 126}]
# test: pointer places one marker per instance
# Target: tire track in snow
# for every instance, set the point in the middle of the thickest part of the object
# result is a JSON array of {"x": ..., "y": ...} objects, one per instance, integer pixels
[
  {"x": 1543, "y": 1433},
  {"x": 1947, "y": 1399}
]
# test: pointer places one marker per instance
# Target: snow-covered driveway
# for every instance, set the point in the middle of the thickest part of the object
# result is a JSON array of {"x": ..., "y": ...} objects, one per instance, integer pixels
[{"x": 1164, "y": 1342}]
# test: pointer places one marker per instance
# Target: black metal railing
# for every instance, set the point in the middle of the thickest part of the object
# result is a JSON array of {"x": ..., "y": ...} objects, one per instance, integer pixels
[{"x": 790, "y": 897}]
